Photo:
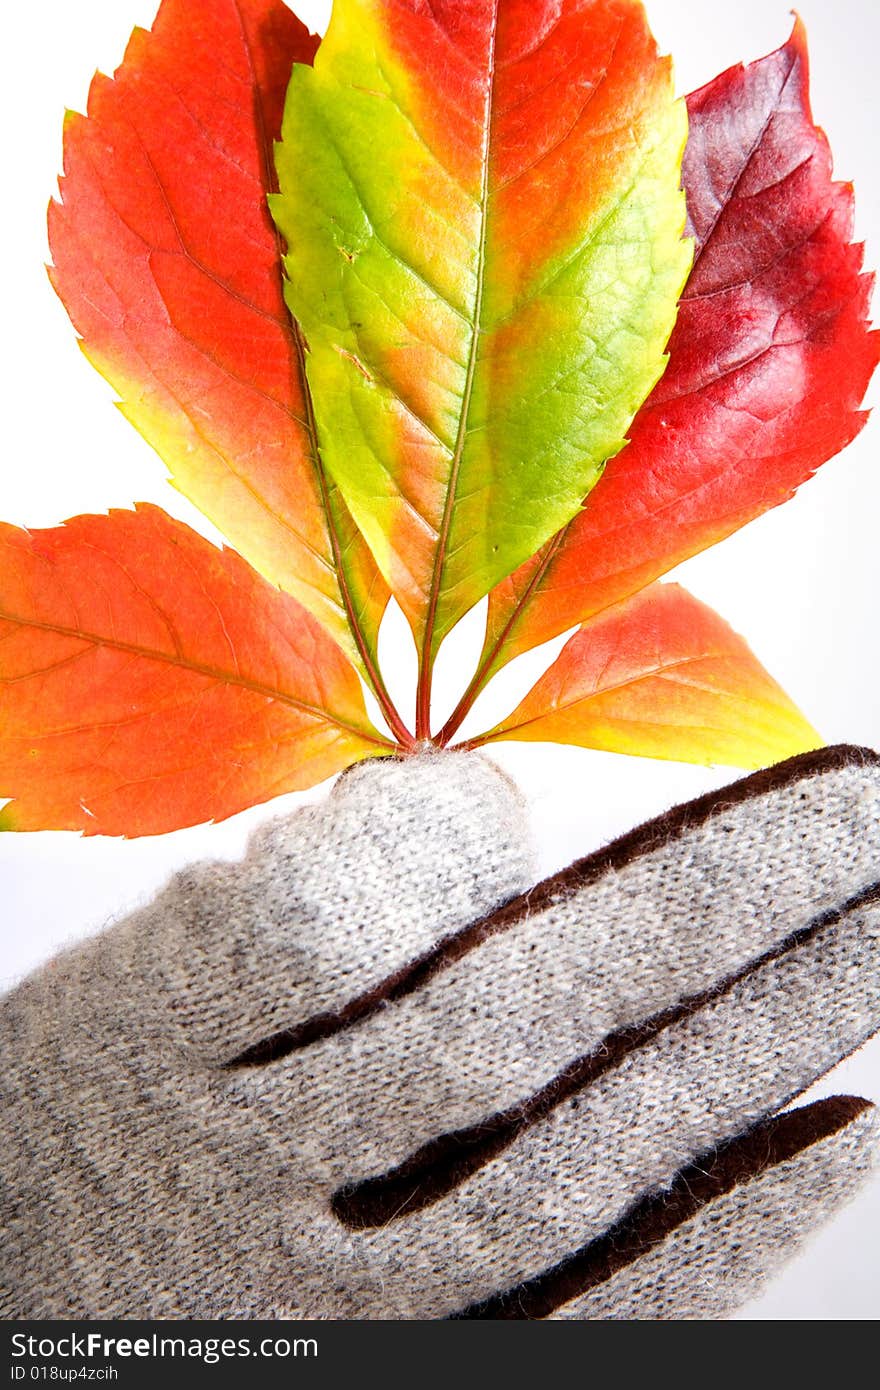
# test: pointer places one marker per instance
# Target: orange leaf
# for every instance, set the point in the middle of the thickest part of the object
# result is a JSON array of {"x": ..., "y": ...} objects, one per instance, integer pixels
[
  {"x": 662, "y": 676},
  {"x": 169, "y": 265},
  {"x": 150, "y": 681}
]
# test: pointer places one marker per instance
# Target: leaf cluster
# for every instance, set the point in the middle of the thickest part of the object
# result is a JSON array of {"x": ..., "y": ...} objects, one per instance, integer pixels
[{"x": 460, "y": 303}]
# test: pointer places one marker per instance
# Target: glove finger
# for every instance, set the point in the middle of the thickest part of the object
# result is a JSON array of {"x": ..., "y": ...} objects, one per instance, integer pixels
[
  {"x": 489, "y": 1206},
  {"x": 332, "y": 900},
  {"x": 727, "y": 1224},
  {"x": 538, "y": 988}
]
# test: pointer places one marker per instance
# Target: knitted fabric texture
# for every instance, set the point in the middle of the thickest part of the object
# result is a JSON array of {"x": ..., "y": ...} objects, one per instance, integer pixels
[
  {"x": 337, "y": 1080},
  {"x": 713, "y": 1262}
]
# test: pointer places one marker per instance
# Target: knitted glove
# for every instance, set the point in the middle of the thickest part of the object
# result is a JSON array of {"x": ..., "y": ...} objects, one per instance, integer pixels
[{"x": 323, "y": 1083}]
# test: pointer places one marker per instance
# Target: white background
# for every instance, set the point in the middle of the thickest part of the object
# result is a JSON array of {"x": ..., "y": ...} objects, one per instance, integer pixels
[{"x": 801, "y": 583}]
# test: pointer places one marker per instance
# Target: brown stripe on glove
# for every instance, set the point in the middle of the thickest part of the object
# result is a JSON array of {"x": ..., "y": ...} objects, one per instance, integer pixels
[
  {"x": 767, "y": 1145},
  {"x": 653, "y": 835},
  {"x": 445, "y": 1162},
  {"x": 168, "y": 1175}
]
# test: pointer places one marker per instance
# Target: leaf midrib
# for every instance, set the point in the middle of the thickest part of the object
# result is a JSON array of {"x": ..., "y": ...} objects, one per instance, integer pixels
[
  {"x": 461, "y": 436},
  {"x": 181, "y": 662},
  {"x": 658, "y": 672},
  {"x": 733, "y": 190}
]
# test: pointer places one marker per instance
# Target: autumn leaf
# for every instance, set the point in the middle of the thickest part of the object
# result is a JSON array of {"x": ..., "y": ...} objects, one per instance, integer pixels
[
  {"x": 661, "y": 676},
  {"x": 149, "y": 681},
  {"x": 769, "y": 361},
  {"x": 168, "y": 263},
  {"x": 479, "y": 219},
  {"x": 482, "y": 203}
]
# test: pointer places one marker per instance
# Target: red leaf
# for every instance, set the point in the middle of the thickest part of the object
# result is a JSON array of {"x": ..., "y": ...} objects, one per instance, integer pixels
[
  {"x": 662, "y": 676},
  {"x": 149, "y": 681},
  {"x": 769, "y": 361}
]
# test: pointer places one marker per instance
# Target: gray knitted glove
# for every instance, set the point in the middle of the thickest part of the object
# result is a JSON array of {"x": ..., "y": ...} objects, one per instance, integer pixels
[{"x": 322, "y": 1083}]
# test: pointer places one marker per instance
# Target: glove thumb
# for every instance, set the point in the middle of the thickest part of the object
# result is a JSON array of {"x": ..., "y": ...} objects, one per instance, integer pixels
[{"x": 331, "y": 900}]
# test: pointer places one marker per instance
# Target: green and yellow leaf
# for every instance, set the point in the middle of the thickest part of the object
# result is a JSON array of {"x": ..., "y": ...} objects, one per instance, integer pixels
[{"x": 482, "y": 203}]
